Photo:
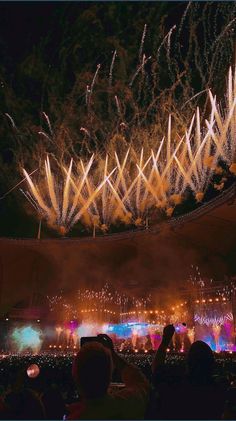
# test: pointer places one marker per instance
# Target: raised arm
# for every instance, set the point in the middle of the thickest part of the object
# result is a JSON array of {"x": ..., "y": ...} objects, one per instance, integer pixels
[
  {"x": 132, "y": 376},
  {"x": 134, "y": 397},
  {"x": 160, "y": 355}
]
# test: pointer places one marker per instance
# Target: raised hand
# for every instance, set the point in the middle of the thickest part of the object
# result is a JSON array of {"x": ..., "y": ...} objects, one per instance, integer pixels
[{"x": 168, "y": 332}]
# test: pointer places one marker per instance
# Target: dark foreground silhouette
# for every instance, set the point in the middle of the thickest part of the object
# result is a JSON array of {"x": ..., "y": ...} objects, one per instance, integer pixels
[{"x": 170, "y": 391}]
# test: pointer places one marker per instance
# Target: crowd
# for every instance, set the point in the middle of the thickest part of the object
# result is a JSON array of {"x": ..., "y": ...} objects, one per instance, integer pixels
[{"x": 99, "y": 383}]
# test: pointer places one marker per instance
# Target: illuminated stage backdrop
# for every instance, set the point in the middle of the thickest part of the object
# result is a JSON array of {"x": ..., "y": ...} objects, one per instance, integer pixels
[{"x": 214, "y": 323}]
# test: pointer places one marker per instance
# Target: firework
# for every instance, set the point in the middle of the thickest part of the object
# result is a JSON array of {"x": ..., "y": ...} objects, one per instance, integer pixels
[{"x": 102, "y": 192}]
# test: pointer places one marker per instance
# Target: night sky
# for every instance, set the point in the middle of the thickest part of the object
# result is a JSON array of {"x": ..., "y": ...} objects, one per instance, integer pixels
[
  {"x": 48, "y": 49},
  {"x": 45, "y": 44}
]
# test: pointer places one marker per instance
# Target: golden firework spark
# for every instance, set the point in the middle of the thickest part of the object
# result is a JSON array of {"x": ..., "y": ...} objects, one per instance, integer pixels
[{"x": 126, "y": 187}]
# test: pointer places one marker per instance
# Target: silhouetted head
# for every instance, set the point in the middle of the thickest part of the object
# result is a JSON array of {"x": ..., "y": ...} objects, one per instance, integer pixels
[
  {"x": 92, "y": 370},
  {"x": 54, "y": 404},
  {"x": 200, "y": 360},
  {"x": 25, "y": 405}
]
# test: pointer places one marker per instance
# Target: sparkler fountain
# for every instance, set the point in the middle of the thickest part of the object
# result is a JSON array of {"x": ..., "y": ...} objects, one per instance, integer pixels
[
  {"x": 191, "y": 334},
  {"x": 216, "y": 328},
  {"x": 59, "y": 330}
]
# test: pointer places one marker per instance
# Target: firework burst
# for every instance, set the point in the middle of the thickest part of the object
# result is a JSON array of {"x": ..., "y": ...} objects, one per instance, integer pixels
[{"x": 126, "y": 187}]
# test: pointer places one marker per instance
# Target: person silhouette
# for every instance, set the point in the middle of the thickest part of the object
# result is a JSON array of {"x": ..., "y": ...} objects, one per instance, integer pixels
[
  {"x": 194, "y": 394},
  {"x": 92, "y": 371}
]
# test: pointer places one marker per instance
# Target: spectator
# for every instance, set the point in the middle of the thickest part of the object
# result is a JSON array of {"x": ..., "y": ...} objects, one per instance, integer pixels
[
  {"x": 24, "y": 405},
  {"x": 53, "y": 403},
  {"x": 4, "y": 411},
  {"x": 230, "y": 405},
  {"x": 196, "y": 395},
  {"x": 93, "y": 372}
]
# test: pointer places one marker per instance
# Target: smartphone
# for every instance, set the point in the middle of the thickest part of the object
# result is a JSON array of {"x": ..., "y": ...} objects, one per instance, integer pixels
[{"x": 86, "y": 339}]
